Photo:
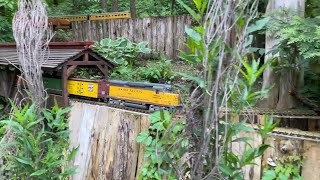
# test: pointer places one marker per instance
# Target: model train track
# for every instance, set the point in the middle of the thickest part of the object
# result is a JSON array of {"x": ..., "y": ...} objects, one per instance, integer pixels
[
  {"x": 278, "y": 132},
  {"x": 290, "y": 114},
  {"x": 292, "y": 133},
  {"x": 177, "y": 115}
]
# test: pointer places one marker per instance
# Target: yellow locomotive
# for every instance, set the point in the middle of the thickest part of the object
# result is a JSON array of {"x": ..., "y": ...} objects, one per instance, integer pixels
[{"x": 147, "y": 96}]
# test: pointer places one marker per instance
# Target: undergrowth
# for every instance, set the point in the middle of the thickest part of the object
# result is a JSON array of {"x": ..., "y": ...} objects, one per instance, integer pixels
[{"x": 40, "y": 149}]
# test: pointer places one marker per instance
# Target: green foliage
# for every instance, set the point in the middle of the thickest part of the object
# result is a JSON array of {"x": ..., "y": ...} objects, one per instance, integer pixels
[
  {"x": 147, "y": 8},
  {"x": 144, "y": 8},
  {"x": 87, "y": 73},
  {"x": 248, "y": 96},
  {"x": 201, "y": 6},
  {"x": 7, "y": 8},
  {"x": 165, "y": 144},
  {"x": 311, "y": 89},
  {"x": 231, "y": 164},
  {"x": 288, "y": 168},
  {"x": 299, "y": 48},
  {"x": 299, "y": 38},
  {"x": 242, "y": 95},
  {"x": 41, "y": 144},
  {"x": 155, "y": 71},
  {"x": 121, "y": 51},
  {"x": 2, "y": 116},
  {"x": 312, "y": 8},
  {"x": 72, "y": 7},
  {"x": 63, "y": 35}
]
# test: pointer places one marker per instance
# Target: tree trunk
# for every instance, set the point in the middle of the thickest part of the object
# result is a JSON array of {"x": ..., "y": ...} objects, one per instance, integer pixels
[
  {"x": 279, "y": 96},
  {"x": 115, "y": 6},
  {"x": 56, "y": 2},
  {"x": 133, "y": 8},
  {"x": 104, "y": 5},
  {"x": 173, "y": 2}
]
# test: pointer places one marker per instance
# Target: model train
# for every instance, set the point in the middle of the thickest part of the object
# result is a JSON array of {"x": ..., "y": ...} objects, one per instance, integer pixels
[
  {"x": 141, "y": 95},
  {"x": 93, "y": 17}
]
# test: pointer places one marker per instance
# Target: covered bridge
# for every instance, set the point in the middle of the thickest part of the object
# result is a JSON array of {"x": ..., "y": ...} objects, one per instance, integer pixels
[{"x": 61, "y": 57}]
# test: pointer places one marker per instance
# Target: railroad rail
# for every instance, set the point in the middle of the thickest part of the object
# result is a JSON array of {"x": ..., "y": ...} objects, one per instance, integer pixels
[
  {"x": 291, "y": 133},
  {"x": 290, "y": 114},
  {"x": 278, "y": 132}
]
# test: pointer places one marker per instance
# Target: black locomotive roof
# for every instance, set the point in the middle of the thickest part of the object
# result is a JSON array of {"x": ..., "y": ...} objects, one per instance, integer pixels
[{"x": 145, "y": 85}]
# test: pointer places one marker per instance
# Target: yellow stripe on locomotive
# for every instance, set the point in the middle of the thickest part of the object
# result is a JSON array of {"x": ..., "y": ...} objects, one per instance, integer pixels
[
  {"x": 83, "y": 88},
  {"x": 144, "y": 96}
]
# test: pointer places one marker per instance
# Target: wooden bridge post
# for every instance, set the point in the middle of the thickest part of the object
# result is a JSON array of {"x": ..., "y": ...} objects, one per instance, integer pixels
[{"x": 65, "y": 85}]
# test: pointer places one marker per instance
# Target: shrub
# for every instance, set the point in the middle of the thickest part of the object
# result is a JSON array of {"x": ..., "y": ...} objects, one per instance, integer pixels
[
  {"x": 121, "y": 51},
  {"x": 159, "y": 71},
  {"x": 41, "y": 146},
  {"x": 156, "y": 71}
]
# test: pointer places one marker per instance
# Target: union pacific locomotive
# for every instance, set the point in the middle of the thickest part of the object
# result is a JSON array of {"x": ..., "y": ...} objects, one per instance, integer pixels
[{"x": 141, "y": 95}]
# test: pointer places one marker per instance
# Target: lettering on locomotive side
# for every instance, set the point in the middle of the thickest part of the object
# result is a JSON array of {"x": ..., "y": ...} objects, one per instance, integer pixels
[{"x": 130, "y": 90}]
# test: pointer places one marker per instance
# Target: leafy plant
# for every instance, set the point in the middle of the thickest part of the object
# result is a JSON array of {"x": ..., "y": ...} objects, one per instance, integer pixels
[
  {"x": 299, "y": 38},
  {"x": 165, "y": 145},
  {"x": 287, "y": 168},
  {"x": 41, "y": 146},
  {"x": 2, "y": 116},
  {"x": 311, "y": 89},
  {"x": 7, "y": 9},
  {"x": 88, "y": 73},
  {"x": 250, "y": 72},
  {"x": 231, "y": 164},
  {"x": 123, "y": 73},
  {"x": 121, "y": 51},
  {"x": 155, "y": 71},
  {"x": 298, "y": 49}
]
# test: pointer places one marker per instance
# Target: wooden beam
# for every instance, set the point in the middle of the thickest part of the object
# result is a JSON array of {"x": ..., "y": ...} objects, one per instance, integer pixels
[
  {"x": 86, "y": 56},
  {"x": 71, "y": 69},
  {"x": 76, "y": 57},
  {"x": 104, "y": 70},
  {"x": 101, "y": 59},
  {"x": 65, "y": 85},
  {"x": 86, "y": 63}
]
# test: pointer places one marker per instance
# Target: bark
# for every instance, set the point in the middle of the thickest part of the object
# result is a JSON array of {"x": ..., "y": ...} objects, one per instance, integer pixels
[
  {"x": 133, "y": 8},
  {"x": 56, "y": 2},
  {"x": 104, "y": 5},
  {"x": 279, "y": 96},
  {"x": 115, "y": 6},
  {"x": 173, "y": 2}
]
